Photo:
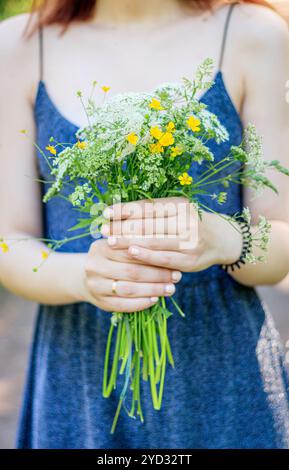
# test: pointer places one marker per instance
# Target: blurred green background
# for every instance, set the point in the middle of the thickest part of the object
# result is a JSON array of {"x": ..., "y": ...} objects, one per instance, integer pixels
[{"x": 13, "y": 7}]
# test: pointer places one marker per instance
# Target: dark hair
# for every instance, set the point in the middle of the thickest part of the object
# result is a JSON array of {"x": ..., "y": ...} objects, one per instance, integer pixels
[{"x": 66, "y": 11}]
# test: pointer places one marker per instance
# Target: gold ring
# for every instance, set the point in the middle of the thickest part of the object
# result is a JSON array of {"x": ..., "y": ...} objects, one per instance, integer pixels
[{"x": 113, "y": 288}]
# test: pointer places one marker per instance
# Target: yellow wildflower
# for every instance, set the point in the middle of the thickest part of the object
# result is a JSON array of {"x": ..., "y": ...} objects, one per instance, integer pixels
[
  {"x": 81, "y": 145},
  {"x": 156, "y": 104},
  {"x": 4, "y": 247},
  {"x": 132, "y": 138},
  {"x": 171, "y": 127},
  {"x": 105, "y": 88},
  {"x": 176, "y": 151},
  {"x": 194, "y": 124},
  {"x": 23, "y": 131},
  {"x": 44, "y": 254},
  {"x": 156, "y": 132},
  {"x": 156, "y": 148},
  {"x": 185, "y": 179},
  {"x": 167, "y": 139},
  {"x": 51, "y": 149}
]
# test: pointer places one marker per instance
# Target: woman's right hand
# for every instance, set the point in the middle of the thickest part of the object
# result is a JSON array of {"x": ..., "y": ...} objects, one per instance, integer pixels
[{"x": 137, "y": 286}]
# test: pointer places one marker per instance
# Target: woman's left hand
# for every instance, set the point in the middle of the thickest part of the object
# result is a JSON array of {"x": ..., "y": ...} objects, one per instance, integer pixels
[{"x": 168, "y": 232}]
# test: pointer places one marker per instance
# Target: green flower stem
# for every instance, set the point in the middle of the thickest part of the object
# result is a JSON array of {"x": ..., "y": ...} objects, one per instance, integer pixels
[
  {"x": 69, "y": 239},
  {"x": 230, "y": 176},
  {"x": 136, "y": 332},
  {"x": 179, "y": 310},
  {"x": 123, "y": 343},
  {"x": 198, "y": 183},
  {"x": 144, "y": 332},
  {"x": 145, "y": 367},
  {"x": 124, "y": 360},
  {"x": 169, "y": 353},
  {"x": 116, "y": 416},
  {"x": 224, "y": 217},
  {"x": 139, "y": 331},
  {"x": 163, "y": 361},
  {"x": 97, "y": 193},
  {"x": 155, "y": 342},
  {"x": 132, "y": 410},
  {"x": 125, "y": 322},
  {"x": 132, "y": 366},
  {"x": 151, "y": 368},
  {"x": 212, "y": 167},
  {"x": 135, "y": 383},
  {"x": 144, "y": 348},
  {"x": 134, "y": 376},
  {"x": 139, "y": 408},
  {"x": 44, "y": 155},
  {"x": 106, "y": 361},
  {"x": 113, "y": 376}
]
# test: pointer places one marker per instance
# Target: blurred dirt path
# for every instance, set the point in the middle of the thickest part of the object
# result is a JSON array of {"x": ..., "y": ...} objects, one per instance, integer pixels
[{"x": 16, "y": 324}]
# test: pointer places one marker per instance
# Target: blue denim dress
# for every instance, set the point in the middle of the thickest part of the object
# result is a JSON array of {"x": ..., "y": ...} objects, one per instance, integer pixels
[{"x": 229, "y": 388}]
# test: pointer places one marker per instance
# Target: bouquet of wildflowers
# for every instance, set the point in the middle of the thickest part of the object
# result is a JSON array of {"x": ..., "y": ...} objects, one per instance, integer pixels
[{"x": 141, "y": 146}]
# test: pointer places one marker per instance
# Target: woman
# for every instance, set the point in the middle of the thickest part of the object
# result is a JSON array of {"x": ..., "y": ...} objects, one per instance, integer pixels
[{"x": 229, "y": 387}]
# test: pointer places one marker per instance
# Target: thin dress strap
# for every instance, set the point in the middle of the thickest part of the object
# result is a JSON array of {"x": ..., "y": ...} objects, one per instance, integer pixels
[
  {"x": 225, "y": 35},
  {"x": 41, "y": 58}
]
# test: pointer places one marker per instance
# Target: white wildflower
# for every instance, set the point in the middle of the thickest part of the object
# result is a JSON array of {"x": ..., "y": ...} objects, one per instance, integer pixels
[
  {"x": 212, "y": 125},
  {"x": 253, "y": 147}
]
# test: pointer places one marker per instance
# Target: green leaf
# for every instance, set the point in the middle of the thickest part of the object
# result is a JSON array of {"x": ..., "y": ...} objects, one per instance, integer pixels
[
  {"x": 82, "y": 223},
  {"x": 266, "y": 182},
  {"x": 277, "y": 165}
]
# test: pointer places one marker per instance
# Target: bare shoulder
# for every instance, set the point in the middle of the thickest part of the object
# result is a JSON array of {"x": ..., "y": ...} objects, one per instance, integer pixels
[
  {"x": 18, "y": 53},
  {"x": 259, "y": 27},
  {"x": 12, "y": 34}
]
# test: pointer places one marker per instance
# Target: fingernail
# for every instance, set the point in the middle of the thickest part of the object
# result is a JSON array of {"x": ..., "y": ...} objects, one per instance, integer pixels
[
  {"x": 170, "y": 288},
  {"x": 111, "y": 241},
  {"x": 154, "y": 299},
  {"x": 176, "y": 276},
  {"x": 134, "y": 251},
  {"x": 105, "y": 230},
  {"x": 107, "y": 213}
]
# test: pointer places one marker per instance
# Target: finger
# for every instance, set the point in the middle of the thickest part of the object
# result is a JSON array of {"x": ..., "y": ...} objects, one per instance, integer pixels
[
  {"x": 127, "y": 289},
  {"x": 120, "y": 304},
  {"x": 132, "y": 272},
  {"x": 145, "y": 227},
  {"x": 119, "y": 255},
  {"x": 152, "y": 243},
  {"x": 161, "y": 207},
  {"x": 165, "y": 259}
]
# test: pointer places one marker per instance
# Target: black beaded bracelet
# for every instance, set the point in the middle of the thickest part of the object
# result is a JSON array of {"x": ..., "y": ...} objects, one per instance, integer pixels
[{"x": 246, "y": 248}]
